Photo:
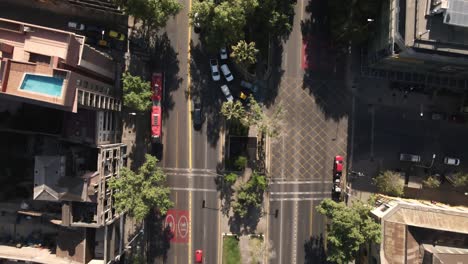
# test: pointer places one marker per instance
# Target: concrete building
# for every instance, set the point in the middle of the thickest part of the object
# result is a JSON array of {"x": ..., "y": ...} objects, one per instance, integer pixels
[
  {"x": 420, "y": 41},
  {"x": 61, "y": 141},
  {"x": 420, "y": 232}
]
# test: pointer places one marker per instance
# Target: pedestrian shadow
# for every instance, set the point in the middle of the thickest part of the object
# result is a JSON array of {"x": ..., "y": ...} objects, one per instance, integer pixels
[
  {"x": 164, "y": 59},
  {"x": 204, "y": 90},
  {"x": 314, "y": 250}
]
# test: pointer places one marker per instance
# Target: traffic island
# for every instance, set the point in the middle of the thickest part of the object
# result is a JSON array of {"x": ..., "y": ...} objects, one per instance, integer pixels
[{"x": 231, "y": 250}]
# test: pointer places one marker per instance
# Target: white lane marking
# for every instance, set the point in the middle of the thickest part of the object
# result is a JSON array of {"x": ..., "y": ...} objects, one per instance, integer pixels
[
  {"x": 298, "y": 193},
  {"x": 294, "y": 241},
  {"x": 296, "y": 199},
  {"x": 299, "y": 182},
  {"x": 281, "y": 233},
  {"x": 189, "y": 170},
  {"x": 192, "y": 189},
  {"x": 192, "y": 174}
]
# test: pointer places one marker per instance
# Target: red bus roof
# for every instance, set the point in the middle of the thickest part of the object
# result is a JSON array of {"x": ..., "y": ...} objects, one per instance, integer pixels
[
  {"x": 156, "y": 122},
  {"x": 157, "y": 86}
]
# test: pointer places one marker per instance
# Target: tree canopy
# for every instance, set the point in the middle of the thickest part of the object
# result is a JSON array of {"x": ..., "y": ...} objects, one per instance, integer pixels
[
  {"x": 390, "y": 182},
  {"x": 349, "y": 228},
  {"x": 244, "y": 53},
  {"x": 136, "y": 92},
  {"x": 138, "y": 192},
  {"x": 253, "y": 115},
  {"x": 250, "y": 195},
  {"x": 154, "y": 13}
]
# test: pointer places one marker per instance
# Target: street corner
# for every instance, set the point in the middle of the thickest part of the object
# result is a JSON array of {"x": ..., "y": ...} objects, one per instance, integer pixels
[{"x": 178, "y": 223}]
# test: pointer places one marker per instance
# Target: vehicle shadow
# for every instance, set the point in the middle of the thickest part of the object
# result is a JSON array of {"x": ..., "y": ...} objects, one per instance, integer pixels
[
  {"x": 204, "y": 90},
  {"x": 314, "y": 250},
  {"x": 164, "y": 59},
  {"x": 325, "y": 64}
]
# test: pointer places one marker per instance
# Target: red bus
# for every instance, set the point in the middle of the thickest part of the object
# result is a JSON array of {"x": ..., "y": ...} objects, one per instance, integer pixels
[{"x": 157, "y": 82}]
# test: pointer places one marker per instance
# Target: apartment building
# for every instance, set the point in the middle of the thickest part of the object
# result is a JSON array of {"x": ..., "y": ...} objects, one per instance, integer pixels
[
  {"x": 420, "y": 232},
  {"x": 420, "y": 41},
  {"x": 50, "y": 78}
]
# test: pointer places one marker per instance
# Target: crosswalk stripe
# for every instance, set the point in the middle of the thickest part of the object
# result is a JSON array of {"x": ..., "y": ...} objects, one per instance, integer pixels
[
  {"x": 296, "y": 199},
  {"x": 192, "y": 189},
  {"x": 299, "y": 182}
]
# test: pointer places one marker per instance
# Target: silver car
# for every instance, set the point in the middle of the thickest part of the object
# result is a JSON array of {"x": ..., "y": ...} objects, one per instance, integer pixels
[
  {"x": 227, "y": 73},
  {"x": 410, "y": 157},
  {"x": 227, "y": 93},
  {"x": 214, "y": 70},
  {"x": 451, "y": 161}
]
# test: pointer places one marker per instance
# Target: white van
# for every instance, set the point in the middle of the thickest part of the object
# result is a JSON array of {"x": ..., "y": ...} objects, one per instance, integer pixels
[{"x": 451, "y": 161}]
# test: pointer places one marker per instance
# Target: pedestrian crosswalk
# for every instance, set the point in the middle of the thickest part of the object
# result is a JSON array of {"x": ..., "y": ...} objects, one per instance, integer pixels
[{"x": 313, "y": 190}]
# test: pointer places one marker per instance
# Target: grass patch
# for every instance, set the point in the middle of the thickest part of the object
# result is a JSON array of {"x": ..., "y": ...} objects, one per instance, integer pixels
[{"x": 231, "y": 250}]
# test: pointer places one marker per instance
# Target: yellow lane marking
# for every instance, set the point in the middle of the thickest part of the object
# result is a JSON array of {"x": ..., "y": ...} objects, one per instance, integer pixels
[
  {"x": 219, "y": 234},
  {"x": 189, "y": 107},
  {"x": 177, "y": 141}
]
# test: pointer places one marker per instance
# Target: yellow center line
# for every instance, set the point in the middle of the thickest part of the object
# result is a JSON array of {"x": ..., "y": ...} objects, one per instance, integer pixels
[{"x": 189, "y": 107}]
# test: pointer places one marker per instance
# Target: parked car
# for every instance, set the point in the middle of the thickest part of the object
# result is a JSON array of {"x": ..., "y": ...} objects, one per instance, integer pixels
[
  {"x": 76, "y": 26},
  {"x": 243, "y": 95},
  {"x": 227, "y": 73},
  {"x": 116, "y": 35},
  {"x": 338, "y": 164},
  {"x": 249, "y": 86},
  {"x": 410, "y": 157},
  {"x": 196, "y": 23},
  {"x": 438, "y": 116},
  {"x": 227, "y": 93},
  {"x": 215, "y": 70},
  {"x": 197, "y": 115},
  {"x": 451, "y": 161},
  {"x": 198, "y": 256},
  {"x": 223, "y": 53}
]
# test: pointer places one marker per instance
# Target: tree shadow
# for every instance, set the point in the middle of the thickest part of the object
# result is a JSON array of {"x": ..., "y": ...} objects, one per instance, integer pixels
[
  {"x": 159, "y": 238},
  {"x": 246, "y": 225},
  {"x": 226, "y": 192},
  {"x": 269, "y": 90},
  {"x": 325, "y": 64},
  {"x": 314, "y": 250},
  {"x": 164, "y": 59},
  {"x": 206, "y": 91}
]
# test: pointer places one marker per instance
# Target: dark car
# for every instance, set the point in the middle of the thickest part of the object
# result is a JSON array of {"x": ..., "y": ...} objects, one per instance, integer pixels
[{"x": 197, "y": 115}]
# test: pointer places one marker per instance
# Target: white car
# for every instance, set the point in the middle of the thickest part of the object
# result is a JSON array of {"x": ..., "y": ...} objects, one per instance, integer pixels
[
  {"x": 76, "y": 26},
  {"x": 214, "y": 70},
  {"x": 223, "y": 53},
  {"x": 451, "y": 161},
  {"x": 227, "y": 73},
  {"x": 227, "y": 93}
]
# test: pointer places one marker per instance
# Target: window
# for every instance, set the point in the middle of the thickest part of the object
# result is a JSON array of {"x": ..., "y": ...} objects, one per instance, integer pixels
[
  {"x": 155, "y": 120},
  {"x": 39, "y": 58},
  {"x": 78, "y": 82}
]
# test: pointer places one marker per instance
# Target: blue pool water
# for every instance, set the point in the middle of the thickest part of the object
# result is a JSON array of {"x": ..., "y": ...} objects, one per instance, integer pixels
[{"x": 51, "y": 86}]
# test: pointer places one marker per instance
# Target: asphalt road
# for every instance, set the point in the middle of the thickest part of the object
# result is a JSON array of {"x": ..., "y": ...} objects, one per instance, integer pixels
[
  {"x": 189, "y": 156},
  {"x": 301, "y": 160}
]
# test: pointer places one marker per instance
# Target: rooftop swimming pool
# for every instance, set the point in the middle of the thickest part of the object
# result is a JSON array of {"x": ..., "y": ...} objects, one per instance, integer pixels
[{"x": 51, "y": 86}]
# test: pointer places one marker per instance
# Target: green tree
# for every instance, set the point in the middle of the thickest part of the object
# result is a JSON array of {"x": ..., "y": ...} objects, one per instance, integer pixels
[
  {"x": 241, "y": 162},
  {"x": 153, "y": 13},
  {"x": 348, "y": 229},
  {"x": 136, "y": 92},
  {"x": 431, "y": 182},
  {"x": 244, "y": 53},
  {"x": 253, "y": 115},
  {"x": 138, "y": 192},
  {"x": 250, "y": 195},
  {"x": 223, "y": 23},
  {"x": 460, "y": 179},
  {"x": 230, "y": 178},
  {"x": 390, "y": 182}
]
